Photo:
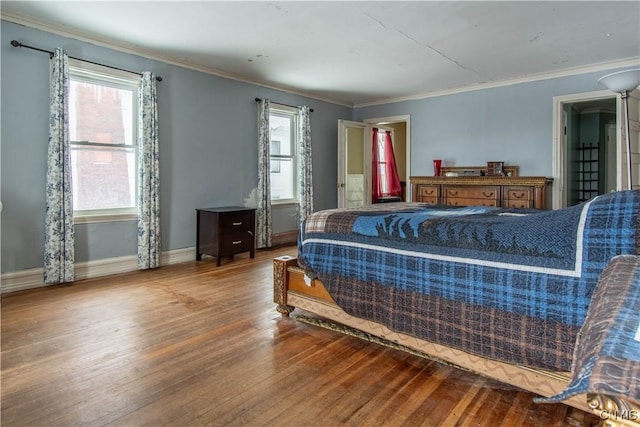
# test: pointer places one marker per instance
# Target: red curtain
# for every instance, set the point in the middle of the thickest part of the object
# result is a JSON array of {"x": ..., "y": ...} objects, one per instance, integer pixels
[{"x": 386, "y": 181}]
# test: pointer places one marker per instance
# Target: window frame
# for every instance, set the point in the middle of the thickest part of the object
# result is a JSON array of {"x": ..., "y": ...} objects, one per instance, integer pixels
[
  {"x": 292, "y": 114},
  {"x": 85, "y": 72},
  {"x": 382, "y": 162}
]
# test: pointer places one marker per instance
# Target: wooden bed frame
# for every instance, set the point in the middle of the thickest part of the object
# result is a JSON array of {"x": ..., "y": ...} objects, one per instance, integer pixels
[{"x": 290, "y": 291}]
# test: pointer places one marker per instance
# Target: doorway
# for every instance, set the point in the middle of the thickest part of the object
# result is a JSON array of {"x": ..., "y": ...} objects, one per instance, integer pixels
[
  {"x": 354, "y": 157},
  {"x": 590, "y": 148},
  {"x": 586, "y": 160}
]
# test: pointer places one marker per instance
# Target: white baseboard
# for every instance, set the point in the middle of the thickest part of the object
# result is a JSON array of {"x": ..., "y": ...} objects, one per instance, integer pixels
[
  {"x": 19, "y": 280},
  {"x": 34, "y": 277}
]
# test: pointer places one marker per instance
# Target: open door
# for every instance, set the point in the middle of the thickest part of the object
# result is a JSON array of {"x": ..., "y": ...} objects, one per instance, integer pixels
[
  {"x": 354, "y": 164},
  {"x": 569, "y": 146}
]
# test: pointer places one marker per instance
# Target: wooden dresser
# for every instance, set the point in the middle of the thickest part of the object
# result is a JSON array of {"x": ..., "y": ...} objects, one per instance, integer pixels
[
  {"x": 225, "y": 231},
  {"x": 500, "y": 191}
]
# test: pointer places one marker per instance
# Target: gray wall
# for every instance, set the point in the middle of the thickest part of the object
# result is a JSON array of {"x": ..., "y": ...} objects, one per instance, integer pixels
[
  {"x": 208, "y": 142},
  {"x": 512, "y": 123},
  {"x": 208, "y": 149}
]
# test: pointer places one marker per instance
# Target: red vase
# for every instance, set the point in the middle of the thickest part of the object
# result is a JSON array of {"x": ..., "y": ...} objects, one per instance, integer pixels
[{"x": 436, "y": 167}]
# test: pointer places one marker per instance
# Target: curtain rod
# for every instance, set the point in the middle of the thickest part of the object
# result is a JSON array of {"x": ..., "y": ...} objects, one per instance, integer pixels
[
  {"x": 287, "y": 105},
  {"x": 16, "y": 43}
]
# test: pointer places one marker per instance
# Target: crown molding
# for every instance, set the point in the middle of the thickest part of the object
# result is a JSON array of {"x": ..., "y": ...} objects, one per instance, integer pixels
[
  {"x": 134, "y": 50},
  {"x": 602, "y": 66},
  {"x": 37, "y": 24}
]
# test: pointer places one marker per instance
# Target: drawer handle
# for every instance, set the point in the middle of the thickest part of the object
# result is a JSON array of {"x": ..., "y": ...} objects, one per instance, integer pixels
[
  {"x": 237, "y": 242},
  {"x": 237, "y": 223},
  {"x": 428, "y": 193},
  {"x": 453, "y": 193},
  {"x": 487, "y": 195},
  {"x": 518, "y": 196}
]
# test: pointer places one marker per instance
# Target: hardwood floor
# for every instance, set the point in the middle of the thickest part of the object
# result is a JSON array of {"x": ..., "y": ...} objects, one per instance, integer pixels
[{"x": 192, "y": 344}]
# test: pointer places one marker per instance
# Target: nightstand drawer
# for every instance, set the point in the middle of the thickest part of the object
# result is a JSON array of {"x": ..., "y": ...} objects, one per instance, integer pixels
[
  {"x": 233, "y": 222},
  {"x": 236, "y": 242}
]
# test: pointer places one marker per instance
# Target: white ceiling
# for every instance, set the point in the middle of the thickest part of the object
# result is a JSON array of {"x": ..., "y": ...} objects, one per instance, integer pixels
[{"x": 355, "y": 53}]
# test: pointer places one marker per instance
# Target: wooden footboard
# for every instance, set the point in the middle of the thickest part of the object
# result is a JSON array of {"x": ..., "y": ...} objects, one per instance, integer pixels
[{"x": 291, "y": 291}]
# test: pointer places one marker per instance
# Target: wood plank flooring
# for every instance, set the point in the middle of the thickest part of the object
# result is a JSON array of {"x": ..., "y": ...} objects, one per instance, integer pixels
[{"x": 192, "y": 345}]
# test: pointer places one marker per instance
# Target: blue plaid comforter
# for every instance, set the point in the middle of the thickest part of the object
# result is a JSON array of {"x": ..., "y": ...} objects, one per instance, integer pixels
[
  {"x": 539, "y": 264},
  {"x": 606, "y": 359}
]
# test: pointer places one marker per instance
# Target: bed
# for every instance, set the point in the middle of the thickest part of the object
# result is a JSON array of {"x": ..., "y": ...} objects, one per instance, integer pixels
[{"x": 505, "y": 293}]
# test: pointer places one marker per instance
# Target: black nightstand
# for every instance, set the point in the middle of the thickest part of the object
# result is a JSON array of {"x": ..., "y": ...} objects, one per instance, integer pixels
[{"x": 225, "y": 231}]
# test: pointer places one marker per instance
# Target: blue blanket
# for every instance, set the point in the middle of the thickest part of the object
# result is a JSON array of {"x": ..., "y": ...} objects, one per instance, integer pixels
[
  {"x": 542, "y": 264},
  {"x": 481, "y": 233},
  {"x": 607, "y": 354}
]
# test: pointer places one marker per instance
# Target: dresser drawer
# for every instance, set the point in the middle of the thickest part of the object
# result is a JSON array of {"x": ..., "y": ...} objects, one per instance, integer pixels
[
  {"x": 233, "y": 222},
  {"x": 471, "y": 196},
  {"x": 518, "y": 197},
  {"x": 518, "y": 204},
  {"x": 428, "y": 193},
  {"x": 458, "y": 201},
  {"x": 484, "y": 192}
]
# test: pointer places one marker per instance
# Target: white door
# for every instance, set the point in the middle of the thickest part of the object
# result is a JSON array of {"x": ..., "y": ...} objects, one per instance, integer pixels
[
  {"x": 354, "y": 142},
  {"x": 617, "y": 176},
  {"x": 354, "y": 164}
]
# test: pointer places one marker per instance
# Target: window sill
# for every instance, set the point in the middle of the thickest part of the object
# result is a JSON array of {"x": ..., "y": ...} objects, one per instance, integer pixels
[
  {"x": 284, "y": 203},
  {"x": 90, "y": 219}
]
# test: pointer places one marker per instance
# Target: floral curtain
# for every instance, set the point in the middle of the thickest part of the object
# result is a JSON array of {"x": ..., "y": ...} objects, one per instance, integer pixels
[
  {"x": 305, "y": 178},
  {"x": 149, "y": 249},
  {"x": 263, "y": 208},
  {"x": 59, "y": 252}
]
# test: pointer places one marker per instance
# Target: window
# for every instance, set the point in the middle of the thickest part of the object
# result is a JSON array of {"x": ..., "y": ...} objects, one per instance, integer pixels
[
  {"x": 283, "y": 136},
  {"x": 385, "y": 179},
  {"x": 103, "y": 124},
  {"x": 275, "y": 151},
  {"x": 382, "y": 164}
]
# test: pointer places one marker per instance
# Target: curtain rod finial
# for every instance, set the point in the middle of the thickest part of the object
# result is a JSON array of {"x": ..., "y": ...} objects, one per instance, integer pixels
[{"x": 15, "y": 43}]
